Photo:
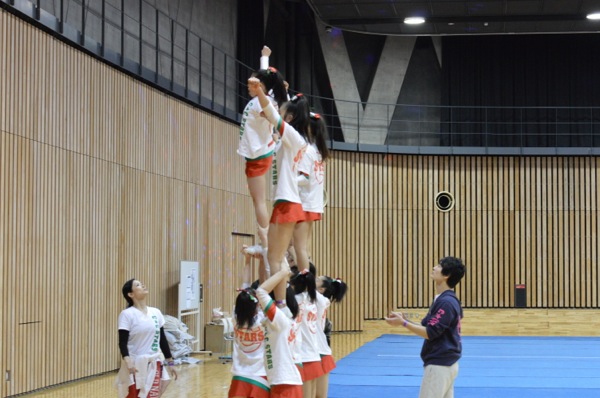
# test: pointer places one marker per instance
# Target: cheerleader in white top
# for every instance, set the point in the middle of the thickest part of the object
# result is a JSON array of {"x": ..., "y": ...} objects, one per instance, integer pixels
[
  {"x": 311, "y": 180},
  {"x": 328, "y": 290},
  {"x": 306, "y": 295},
  {"x": 282, "y": 372},
  {"x": 248, "y": 369},
  {"x": 292, "y": 124},
  {"x": 256, "y": 143},
  {"x": 144, "y": 347}
]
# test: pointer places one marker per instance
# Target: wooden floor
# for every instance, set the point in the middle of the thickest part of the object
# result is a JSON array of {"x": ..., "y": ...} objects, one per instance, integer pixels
[{"x": 211, "y": 378}]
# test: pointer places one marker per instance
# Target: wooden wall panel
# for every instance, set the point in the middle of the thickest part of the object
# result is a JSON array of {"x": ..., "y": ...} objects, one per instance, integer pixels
[
  {"x": 516, "y": 220},
  {"x": 102, "y": 179}
]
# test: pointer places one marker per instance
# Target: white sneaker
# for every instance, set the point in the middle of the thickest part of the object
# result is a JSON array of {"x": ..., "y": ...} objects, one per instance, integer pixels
[{"x": 256, "y": 249}]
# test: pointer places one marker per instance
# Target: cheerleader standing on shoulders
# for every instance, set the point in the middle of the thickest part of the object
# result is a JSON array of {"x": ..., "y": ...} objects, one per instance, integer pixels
[
  {"x": 256, "y": 143},
  {"x": 292, "y": 125},
  {"x": 311, "y": 180}
]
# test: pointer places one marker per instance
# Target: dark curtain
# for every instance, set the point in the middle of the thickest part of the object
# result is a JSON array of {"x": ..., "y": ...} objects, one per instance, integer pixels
[
  {"x": 250, "y": 40},
  {"x": 482, "y": 73},
  {"x": 291, "y": 34}
]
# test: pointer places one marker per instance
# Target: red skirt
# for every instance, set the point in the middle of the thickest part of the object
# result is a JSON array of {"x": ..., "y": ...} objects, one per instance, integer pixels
[
  {"x": 286, "y": 391},
  {"x": 287, "y": 212},
  {"x": 312, "y": 216},
  {"x": 312, "y": 370},
  {"x": 328, "y": 363},
  {"x": 258, "y": 167},
  {"x": 243, "y": 387}
]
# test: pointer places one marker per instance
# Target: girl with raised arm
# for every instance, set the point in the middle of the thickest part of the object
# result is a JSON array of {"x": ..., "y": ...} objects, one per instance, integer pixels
[{"x": 292, "y": 125}]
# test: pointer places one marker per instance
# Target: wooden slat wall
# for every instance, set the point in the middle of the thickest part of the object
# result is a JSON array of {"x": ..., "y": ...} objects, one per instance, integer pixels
[
  {"x": 102, "y": 179},
  {"x": 516, "y": 220}
]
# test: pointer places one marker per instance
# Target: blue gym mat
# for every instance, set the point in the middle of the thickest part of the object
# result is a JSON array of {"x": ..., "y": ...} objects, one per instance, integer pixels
[{"x": 490, "y": 367}]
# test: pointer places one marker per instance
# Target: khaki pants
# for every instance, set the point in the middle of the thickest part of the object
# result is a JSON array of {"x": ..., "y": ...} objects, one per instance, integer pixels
[{"x": 438, "y": 381}]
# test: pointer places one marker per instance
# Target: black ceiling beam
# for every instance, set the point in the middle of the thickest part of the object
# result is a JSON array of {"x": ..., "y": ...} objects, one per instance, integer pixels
[{"x": 458, "y": 19}]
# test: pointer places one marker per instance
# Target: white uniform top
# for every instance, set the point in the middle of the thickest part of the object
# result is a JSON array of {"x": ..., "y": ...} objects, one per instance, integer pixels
[
  {"x": 308, "y": 328},
  {"x": 279, "y": 361},
  {"x": 256, "y": 132},
  {"x": 249, "y": 349},
  {"x": 288, "y": 158},
  {"x": 311, "y": 188},
  {"x": 297, "y": 343},
  {"x": 323, "y": 304},
  {"x": 144, "y": 330}
]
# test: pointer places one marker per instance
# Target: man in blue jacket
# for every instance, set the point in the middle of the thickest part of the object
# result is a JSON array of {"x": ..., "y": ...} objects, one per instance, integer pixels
[{"x": 441, "y": 330}]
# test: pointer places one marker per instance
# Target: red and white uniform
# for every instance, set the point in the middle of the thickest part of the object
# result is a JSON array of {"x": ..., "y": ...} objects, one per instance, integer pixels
[
  {"x": 279, "y": 337},
  {"x": 323, "y": 304},
  {"x": 144, "y": 350},
  {"x": 288, "y": 158},
  {"x": 249, "y": 350},
  {"x": 312, "y": 180},
  {"x": 256, "y": 132},
  {"x": 308, "y": 328},
  {"x": 297, "y": 343}
]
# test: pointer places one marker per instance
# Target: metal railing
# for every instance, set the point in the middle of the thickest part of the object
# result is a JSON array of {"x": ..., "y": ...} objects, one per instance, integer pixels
[{"x": 143, "y": 41}]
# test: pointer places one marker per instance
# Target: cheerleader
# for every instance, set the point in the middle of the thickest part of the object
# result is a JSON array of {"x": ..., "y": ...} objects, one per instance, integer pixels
[
  {"x": 248, "y": 369},
  {"x": 306, "y": 295},
  {"x": 143, "y": 345},
  {"x": 328, "y": 290},
  {"x": 311, "y": 179},
  {"x": 282, "y": 372},
  {"x": 256, "y": 143},
  {"x": 292, "y": 124}
]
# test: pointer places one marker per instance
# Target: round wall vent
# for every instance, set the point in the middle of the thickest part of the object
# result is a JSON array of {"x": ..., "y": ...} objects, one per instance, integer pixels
[{"x": 444, "y": 201}]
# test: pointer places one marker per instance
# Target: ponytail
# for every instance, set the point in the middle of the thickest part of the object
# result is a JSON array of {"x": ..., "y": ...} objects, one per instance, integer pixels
[
  {"x": 318, "y": 134},
  {"x": 273, "y": 81},
  {"x": 304, "y": 281},
  {"x": 334, "y": 289}
]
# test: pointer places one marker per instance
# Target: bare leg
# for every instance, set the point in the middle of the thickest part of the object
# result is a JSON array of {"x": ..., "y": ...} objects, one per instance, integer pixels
[
  {"x": 263, "y": 270},
  {"x": 279, "y": 239},
  {"x": 309, "y": 389},
  {"x": 322, "y": 386},
  {"x": 258, "y": 190},
  {"x": 301, "y": 234}
]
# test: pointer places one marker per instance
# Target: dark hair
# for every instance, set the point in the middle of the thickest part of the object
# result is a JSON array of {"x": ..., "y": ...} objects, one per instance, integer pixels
[
  {"x": 318, "y": 134},
  {"x": 245, "y": 308},
  {"x": 311, "y": 268},
  {"x": 334, "y": 289},
  {"x": 294, "y": 269},
  {"x": 298, "y": 108},
  {"x": 290, "y": 301},
  {"x": 128, "y": 288},
  {"x": 454, "y": 269},
  {"x": 273, "y": 81},
  {"x": 305, "y": 281}
]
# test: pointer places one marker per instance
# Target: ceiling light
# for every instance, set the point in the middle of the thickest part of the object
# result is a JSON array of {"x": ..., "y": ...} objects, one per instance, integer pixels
[
  {"x": 414, "y": 20},
  {"x": 594, "y": 16}
]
